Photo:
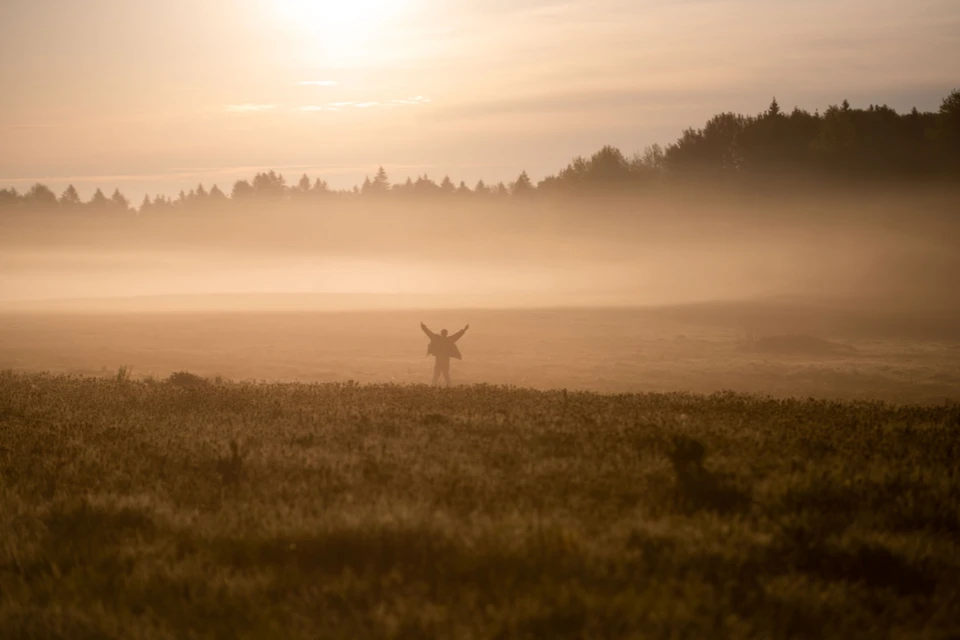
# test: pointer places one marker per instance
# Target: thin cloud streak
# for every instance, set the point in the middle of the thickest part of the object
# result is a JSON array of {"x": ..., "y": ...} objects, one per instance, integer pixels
[
  {"x": 397, "y": 102},
  {"x": 249, "y": 108},
  {"x": 317, "y": 83}
]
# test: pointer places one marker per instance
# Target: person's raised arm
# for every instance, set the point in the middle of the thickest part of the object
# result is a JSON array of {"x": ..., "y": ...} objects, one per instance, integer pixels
[
  {"x": 430, "y": 334},
  {"x": 459, "y": 334}
]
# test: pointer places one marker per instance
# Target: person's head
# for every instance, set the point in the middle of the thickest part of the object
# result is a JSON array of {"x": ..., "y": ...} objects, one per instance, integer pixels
[{"x": 443, "y": 332}]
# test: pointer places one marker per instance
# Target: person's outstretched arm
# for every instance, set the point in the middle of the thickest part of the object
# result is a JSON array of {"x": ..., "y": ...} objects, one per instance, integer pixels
[
  {"x": 430, "y": 334},
  {"x": 459, "y": 334}
]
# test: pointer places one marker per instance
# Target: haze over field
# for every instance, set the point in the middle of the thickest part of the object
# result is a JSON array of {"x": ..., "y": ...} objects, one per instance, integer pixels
[{"x": 479, "y": 319}]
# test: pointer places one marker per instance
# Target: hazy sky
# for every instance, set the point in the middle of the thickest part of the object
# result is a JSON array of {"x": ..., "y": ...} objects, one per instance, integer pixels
[{"x": 156, "y": 96}]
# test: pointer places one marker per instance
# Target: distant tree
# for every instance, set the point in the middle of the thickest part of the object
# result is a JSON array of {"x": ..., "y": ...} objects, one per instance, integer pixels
[
  {"x": 570, "y": 179},
  {"x": 304, "y": 184},
  {"x": 481, "y": 189},
  {"x": 947, "y": 132},
  {"x": 367, "y": 187},
  {"x": 241, "y": 190},
  {"x": 774, "y": 109},
  {"x": 120, "y": 202},
  {"x": 446, "y": 187},
  {"x": 40, "y": 198},
  {"x": 425, "y": 186},
  {"x": 98, "y": 202},
  {"x": 405, "y": 188},
  {"x": 463, "y": 190},
  {"x": 522, "y": 186},
  {"x": 766, "y": 144},
  {"x": 712, "y": 151},
  {"x": 650, "y": 163},
  {"x": 217, "y": 196},
  {"x": 381, "y": 183},
  {"x": 145, "y": 206},
  {"x": 70, "y": 199},
  {"x": 9, "y": 199},
  {"x": 608, "y": 168},
  {"x": 269, "y": 185},
  {"x": 836, "y": 137},
  {"x": 160, "y": 204}
]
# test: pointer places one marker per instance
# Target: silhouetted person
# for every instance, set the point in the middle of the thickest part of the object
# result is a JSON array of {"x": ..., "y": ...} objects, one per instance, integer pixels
[{"x": 443, "y": 347}]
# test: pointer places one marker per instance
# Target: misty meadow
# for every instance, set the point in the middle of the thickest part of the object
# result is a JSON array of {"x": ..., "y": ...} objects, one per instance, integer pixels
[{"x": 701, "y": 380}]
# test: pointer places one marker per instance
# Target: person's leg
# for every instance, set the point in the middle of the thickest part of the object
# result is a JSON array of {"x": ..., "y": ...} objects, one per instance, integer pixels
[
  {"x": 437, "y": 368},
  {"x": 446, "y": 372}
]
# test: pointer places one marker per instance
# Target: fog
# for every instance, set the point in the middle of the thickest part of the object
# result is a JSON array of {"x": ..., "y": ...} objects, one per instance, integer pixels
[{"x": 846, "y": 246}]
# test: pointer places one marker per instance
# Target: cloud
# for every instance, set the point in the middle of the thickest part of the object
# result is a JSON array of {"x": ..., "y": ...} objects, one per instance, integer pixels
[
  {"x": 249, "y": 108},
  {"x": 411, "y": 101},
  {"x": 337, "y": 106},
  {"x": 317, "y": 83}
]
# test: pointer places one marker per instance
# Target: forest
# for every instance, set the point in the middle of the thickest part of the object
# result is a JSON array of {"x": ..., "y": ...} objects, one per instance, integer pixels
[{"x": 839, "y": 146}]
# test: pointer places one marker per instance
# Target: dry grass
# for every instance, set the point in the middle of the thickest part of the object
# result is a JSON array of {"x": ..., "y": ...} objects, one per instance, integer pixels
[{"x": 241, "y": 510}]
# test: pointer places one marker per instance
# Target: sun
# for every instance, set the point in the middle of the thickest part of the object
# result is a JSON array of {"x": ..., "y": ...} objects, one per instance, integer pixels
[{"x": 339, "y": 29}]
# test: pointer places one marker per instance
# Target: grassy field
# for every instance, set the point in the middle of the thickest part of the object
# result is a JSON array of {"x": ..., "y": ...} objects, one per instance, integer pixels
[
  {"x": 697, "y": 349},
  {"x": 195, "y": 508}
]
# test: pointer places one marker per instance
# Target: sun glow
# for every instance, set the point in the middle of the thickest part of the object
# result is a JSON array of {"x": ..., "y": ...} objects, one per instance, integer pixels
[{"x": 341, "y": 31}]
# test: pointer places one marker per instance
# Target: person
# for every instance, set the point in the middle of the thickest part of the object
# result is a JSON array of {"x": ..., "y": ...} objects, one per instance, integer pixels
[{"x": 443, "y": 347}]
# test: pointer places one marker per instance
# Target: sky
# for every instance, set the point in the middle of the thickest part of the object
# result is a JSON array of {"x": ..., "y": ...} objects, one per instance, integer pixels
[{"x": 154, "y": 97}]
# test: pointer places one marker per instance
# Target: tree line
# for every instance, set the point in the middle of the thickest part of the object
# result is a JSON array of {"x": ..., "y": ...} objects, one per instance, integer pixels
[{"x": 842, "y": 144}]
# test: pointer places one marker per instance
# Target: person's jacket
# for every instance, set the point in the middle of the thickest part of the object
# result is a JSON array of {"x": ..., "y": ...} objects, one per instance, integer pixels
[{"x": 444, "y": 346}]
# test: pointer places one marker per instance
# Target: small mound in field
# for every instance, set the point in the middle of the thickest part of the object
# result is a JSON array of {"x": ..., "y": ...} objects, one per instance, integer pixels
[
  {"x": 799, "y": 345},
  {"x": 186, "y": 379}
]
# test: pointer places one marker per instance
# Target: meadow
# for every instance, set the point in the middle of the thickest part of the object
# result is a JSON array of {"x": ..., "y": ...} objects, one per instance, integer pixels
[
  {"x": 697, "y": 348},
  {"x": 596, "y": 473},
  {"x": 188, "y": 507}
]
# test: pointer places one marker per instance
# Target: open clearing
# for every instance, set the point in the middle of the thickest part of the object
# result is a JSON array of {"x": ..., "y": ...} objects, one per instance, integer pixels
[
  {"x": 159, "y": 506},
  {"x": 696, "y": 349},
  {"x": 188, "y": 508}
]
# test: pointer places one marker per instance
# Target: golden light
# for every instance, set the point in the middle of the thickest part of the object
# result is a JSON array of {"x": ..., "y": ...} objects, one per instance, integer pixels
[{"x": 340, "y": 30}]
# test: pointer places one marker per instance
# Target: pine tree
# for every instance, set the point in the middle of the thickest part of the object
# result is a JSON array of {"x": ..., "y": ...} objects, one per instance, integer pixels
[
  {"x": 119, "y": 202},
  {"x": 381, "y": 183},
  {"x": 70, "y": 200},
  {"x": 98, "y": 202},
  {"x": 522, "y": 187},
  {"x": 774, "y": 109}
]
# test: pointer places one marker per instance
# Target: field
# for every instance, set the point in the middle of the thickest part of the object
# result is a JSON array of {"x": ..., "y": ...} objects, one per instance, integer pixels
[
  {"x": 191, "y": 508},
  {"x": 559, "y": 492},
  {"x": 703, "y": 349}
]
